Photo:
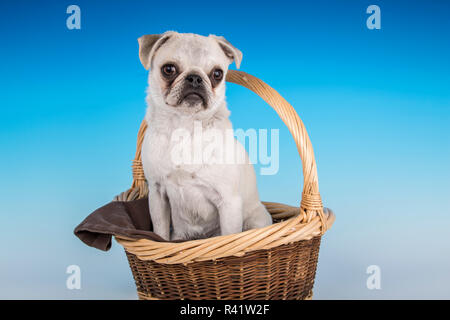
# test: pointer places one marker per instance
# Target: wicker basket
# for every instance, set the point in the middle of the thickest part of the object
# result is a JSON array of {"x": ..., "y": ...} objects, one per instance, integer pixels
[{"x": 275, "y": 262}]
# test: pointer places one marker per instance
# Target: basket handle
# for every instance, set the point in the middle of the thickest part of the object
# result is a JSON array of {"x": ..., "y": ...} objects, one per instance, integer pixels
[{"x": 311, "y": 203}]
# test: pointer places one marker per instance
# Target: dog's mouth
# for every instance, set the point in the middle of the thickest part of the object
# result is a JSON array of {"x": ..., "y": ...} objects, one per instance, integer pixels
[{"x": 194, "y": 98}]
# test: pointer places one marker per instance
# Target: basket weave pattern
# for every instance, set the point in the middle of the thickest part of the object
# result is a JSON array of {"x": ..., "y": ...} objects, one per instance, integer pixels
[
  {"x": 286, "y": 272},
  {"x": 275, "y": 262}
]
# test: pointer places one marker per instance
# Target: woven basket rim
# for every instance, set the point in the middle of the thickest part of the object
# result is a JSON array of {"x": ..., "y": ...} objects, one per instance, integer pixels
[{"x": 290, "y": 230}]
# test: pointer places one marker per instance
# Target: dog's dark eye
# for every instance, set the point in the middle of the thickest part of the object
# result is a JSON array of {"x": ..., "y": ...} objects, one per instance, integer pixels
[
  {"x": 217, "y": 74},
  {"x": 168, "y": 70}
]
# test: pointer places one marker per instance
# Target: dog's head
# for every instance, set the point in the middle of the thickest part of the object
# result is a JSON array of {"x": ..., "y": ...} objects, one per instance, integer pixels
[{"x": 187, "y": 70}]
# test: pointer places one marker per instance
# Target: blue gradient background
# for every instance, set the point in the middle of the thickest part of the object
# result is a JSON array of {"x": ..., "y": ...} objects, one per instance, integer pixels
[{"x": 376, "y": 104}]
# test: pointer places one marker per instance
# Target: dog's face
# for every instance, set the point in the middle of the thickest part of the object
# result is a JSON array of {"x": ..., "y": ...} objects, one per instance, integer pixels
[{"x": 187, "y": 70}]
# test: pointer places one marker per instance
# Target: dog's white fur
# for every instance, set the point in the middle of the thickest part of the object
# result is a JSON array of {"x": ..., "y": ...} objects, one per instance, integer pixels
[{"x": 191, "y": 201}]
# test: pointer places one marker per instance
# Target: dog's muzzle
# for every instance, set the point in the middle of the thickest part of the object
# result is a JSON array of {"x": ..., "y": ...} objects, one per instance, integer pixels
[{"x": 194, "y": 91}]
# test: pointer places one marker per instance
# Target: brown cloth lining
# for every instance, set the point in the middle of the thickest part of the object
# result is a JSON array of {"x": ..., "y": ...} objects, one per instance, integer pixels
[{"x": 129, "y": 219}]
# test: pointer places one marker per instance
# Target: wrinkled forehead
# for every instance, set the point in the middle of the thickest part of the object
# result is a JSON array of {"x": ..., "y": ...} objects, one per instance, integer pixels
[{"x": 191, "y": 51}]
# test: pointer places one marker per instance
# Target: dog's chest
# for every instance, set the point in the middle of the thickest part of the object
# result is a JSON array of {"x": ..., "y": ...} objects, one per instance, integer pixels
[
  {"x": 167, "y": 153},
  {"x": 188, "y": 186},
  {"x": 156, "y": 158}
]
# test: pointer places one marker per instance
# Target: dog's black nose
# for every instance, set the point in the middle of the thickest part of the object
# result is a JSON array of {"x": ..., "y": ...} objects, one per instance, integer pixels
[{"x": 194, "y": 79}]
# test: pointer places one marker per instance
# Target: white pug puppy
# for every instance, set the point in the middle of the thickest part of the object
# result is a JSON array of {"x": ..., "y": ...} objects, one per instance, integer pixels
[{"x": 187, "y": 89}]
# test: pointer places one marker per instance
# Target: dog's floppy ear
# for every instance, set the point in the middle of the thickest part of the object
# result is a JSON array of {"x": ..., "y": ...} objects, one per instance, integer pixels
[
  {"x": 148, "y": 44},
  {"x": 230, "y": 51}
]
